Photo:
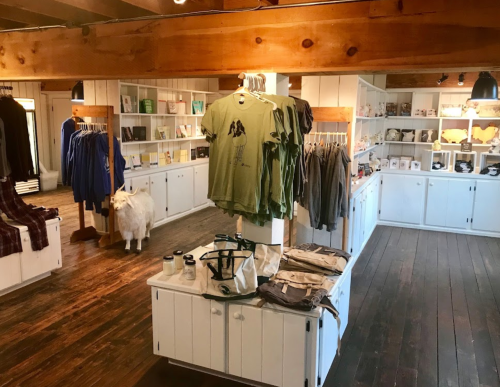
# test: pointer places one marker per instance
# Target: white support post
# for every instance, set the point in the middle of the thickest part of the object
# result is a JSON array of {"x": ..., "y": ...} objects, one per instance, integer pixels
[{"x": 273, "y": 232}]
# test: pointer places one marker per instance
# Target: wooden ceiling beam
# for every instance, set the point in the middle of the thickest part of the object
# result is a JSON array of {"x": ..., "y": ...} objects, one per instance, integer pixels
[
  {"x": 168, "y": 7},
  {"x": 325, "y": 39},
  {"x": 6, "y": 24},
  {"x": 113, "y": 9},
  {"x": 26, "y": 17},
  {"x": 55, "y": 9},
  {"x": 153, "y": 6}
]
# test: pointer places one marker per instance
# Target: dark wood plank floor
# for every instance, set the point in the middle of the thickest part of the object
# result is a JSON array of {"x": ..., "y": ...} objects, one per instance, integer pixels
[{"x": 425, "y": 311}]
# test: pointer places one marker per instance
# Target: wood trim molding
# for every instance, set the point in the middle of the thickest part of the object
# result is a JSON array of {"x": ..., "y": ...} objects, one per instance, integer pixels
[
  {"x": 402, "y": 81},
  {"x": 323, "y": 39}
]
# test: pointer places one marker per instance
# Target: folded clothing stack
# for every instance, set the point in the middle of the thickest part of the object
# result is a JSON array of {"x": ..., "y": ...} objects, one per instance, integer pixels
[{"x": 313, "y": 258}]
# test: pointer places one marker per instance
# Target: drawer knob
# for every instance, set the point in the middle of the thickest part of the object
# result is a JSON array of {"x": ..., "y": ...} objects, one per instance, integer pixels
[
  {"x": 431, "y": 184},
  {"x": 214, "y": 311},
  {"x": 342, "y": 293},
  {"x": 237, "y": 315},
  {"x": 419, "y": 183}
]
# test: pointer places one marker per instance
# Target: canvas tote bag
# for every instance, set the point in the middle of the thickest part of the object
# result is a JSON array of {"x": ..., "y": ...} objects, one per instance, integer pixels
[{"x": 229, "y": 275}]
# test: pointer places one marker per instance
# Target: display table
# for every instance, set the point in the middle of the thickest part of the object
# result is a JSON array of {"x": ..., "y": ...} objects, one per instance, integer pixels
[
  {"x": 238, "y": 340},
  {"x": 21, "y": 269}
]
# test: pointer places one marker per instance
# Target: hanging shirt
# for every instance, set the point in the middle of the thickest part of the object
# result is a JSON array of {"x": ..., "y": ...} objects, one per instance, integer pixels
[
  {"x": 237, "y": 134},
  {"x": 67, "y": 129},
  {"x": 4, "y": 162}
]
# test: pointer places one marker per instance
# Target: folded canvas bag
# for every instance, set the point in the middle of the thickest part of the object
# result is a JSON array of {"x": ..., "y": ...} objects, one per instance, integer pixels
[
  {"x": 316, "y": 259},
  {"x": 301, "y": 291},
  {"x": 267, "y": 257},
  {"x": 228, "y": 275}
]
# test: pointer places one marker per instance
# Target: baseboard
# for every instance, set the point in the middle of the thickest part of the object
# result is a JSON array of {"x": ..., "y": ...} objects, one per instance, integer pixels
[
  {"x": 181, "y": 215},
  {"x": 25, "y": 283},
  {"x": 440, "y": 229}
]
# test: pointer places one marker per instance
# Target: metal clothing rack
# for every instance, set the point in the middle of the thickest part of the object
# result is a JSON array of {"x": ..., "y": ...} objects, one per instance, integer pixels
[
  {"x": 339, "y": 115},
  {"x": 106, "y": 112}
]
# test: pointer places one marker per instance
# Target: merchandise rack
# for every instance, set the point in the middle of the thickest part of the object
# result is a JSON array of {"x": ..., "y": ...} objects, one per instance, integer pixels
[{"x": 84, "y": 233}]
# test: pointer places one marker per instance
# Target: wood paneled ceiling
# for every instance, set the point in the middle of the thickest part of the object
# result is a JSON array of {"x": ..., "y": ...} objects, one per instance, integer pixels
[{"x": 38, "y": 13}]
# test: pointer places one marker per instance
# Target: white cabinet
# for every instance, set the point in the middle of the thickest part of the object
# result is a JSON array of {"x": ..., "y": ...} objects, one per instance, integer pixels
[
  {"x": 357, "y": 225},
  {"x": 140, "y": 182},
  {"x": 50, "y": 256},
  {"x": 200, "y": 185},
  {"x": 180, "y": 190},
  {"x": 158, "y": 191},
  {"x": 31, "y": 263},
  {"x": 10, "y": 271},
  {"x": 189, "y": 328},
  {"x": 485, "y": 217},
  {"x": 128, "y": 185},
  {"x": 449, "y": 202},
  {"x": 402, "y": 198}
]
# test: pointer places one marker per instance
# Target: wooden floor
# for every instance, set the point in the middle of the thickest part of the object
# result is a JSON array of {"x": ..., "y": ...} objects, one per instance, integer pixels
[{"x": 424, "y": 312}]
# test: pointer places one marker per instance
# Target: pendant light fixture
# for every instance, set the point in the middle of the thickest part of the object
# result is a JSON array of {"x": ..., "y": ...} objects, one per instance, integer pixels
[
  {"x": 77, "y": 92},
  {"x": 485, "y": 88}
]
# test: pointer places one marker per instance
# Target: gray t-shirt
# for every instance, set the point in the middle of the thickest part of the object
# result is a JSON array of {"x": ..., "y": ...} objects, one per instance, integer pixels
[{"x": 4, "y": 163}]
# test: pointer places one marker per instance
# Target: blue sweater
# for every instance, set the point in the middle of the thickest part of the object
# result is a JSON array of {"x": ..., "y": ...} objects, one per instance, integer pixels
[{"x": 67, "y": 129}]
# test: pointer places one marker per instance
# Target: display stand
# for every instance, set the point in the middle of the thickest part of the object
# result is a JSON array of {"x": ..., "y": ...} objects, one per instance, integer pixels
[
  {"x": 85, "y": 233},
  {"x": 272, "y": 232}
]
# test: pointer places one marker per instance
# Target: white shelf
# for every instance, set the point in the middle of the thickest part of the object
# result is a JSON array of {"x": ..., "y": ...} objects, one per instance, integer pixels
[
  {"x": 169, "y": 140},
  {"x": 369, "y": 118},
  {"x": 412, "y": 118},
  {"x": 166, "y": 88},
  {"x": 408, "y": 143},
  {"x": 161, "y": 115},
  {"x": 370, "y": 148},
  {"x": 486, "y": 119},
  {"x": 371, "y": 87}
]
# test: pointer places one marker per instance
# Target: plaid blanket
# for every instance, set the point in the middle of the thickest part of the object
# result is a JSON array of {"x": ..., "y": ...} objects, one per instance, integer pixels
[
  {"x": 10, "y": 239},
  {"x": 16, "y": 209}
]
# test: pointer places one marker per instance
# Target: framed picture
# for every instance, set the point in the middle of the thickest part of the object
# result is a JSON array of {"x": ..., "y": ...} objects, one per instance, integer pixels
[
  {"x": 420, "y": 113},
  {"x": 126, "y": 104},
  {"x": 136, "y": 161},
  {"x": 404, "y": 164},
  {"x": 198, "y": 131},
  {"x": 415, "y": 165},
  {"x": 429, "y": 135},
  {"x": 408, "y": 135},
  {"x": 171, "y": 107},
  {"x": 393, "y": 134},
  {"x": 406, "y": 109},
  {"x": 431, "y": 112},
  {"x": 127, "y": 134},
  {"x": 394, "y": 164},
  {"x": 384, "y": 164},
  {"x": 466, "y": 147},
  {"x": 391, "y": 109}
]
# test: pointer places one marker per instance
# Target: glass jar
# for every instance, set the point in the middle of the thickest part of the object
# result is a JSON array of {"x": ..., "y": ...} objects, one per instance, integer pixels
[
  {"x": 189, "y": 269},
  {"x": 187, "y": 257},
  {"x": 168, "y": 265},
  {"x": 178, "y": 259}
]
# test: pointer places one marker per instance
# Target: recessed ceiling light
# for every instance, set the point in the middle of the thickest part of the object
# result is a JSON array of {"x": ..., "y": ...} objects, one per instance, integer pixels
[
  {"x": 461, "y": 79},
  {"x": 179, "y": 1}
]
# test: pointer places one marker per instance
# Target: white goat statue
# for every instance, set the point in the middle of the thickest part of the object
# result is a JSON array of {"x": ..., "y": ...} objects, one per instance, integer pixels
[{"x": 135, "y": 213}]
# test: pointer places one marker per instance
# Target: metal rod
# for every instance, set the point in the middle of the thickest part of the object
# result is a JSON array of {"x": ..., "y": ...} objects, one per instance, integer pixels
[{"x": 186, "y": 14}]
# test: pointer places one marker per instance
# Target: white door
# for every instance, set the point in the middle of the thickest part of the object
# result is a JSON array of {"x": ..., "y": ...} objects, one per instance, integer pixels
[
  {"x": 437, "y": 199},
  {"x": 200, "y": 185},
  {"x": 163, "y": 322},
  {"x": 411, "y": 201},
  {"x": 61, "y": 111},
  {"x": 485, "y": 218},
  {"x": 390, "y": 207},
  {"x": 180, "y": 190},
  {"x": 460, "y": 201},
  {"x": 356, "y": 225},
  {"x": 140, "y": 183},
  {"x": 158, "y": 187}
]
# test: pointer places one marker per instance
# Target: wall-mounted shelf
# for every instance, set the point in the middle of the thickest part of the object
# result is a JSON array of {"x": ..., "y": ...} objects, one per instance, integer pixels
[
  {"x": 162, "y": 141},
  {"x": 166, "y": 88},
  {"x": 160, "y": 115},
  {"x": 412, "y": 118},
  {"x": 359, "y": 118},
  {"x": 408, "y": 143},
  {"x": 370, "y": 148}
]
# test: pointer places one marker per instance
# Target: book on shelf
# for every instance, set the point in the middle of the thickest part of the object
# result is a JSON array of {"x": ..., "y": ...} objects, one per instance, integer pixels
[
  {"x": 198, "y": 131},
  {"x": 128, "y": 164},
  {"x": 127, "y": 135},
  {"x": 181, "y": 132},
  {"x": 150, "y": 160},
  {"x": 197, "y": 107},
  {"x": 189, "y": 130},
  {"x": 162, "y": 133},
  {"x": 126, "y": 104}
]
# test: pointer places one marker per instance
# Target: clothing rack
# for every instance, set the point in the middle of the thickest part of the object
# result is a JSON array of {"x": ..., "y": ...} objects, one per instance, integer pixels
[
  {"x": 340, "y": 115},
  {"x": 106, "y": 112}
]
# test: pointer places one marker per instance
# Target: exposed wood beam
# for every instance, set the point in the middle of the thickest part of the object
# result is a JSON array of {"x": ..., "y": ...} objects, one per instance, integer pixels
[
  {"x": 26, "y": 17},
  {"x": 326, "y": 39},
  {"x": 396, "y": 81},
  {"x": 114, "y": 9},
  {"x": 168, "y": 7},
  {"x": 57, "y": 85},
  {"x": 55, "y": 9},
  {"x": 154, "y": 6},
  {"x": 6, "y": 24}
]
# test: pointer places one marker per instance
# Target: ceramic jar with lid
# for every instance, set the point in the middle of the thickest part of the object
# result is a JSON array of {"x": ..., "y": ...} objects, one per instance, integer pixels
[
  {"x": 189, "y": 270},
  {"x": 179, "y": 262},
  {"x": 168, "y": 265}
]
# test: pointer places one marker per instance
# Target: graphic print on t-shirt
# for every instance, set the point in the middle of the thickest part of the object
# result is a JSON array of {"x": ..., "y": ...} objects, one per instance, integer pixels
[{"x": 239, "y": 140}]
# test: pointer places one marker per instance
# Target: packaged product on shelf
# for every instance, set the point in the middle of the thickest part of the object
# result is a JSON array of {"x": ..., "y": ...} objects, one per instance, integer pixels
[
  {"x": 180, "y": 156},
  {"x": 150, "y": 160},
  {"x": 162, "y": 106},
  {"x": 139, "y": 133},
  {"x": 147, "y": 106},
  {"x": 128, "y": 164},
  {"x": 189, "y": 131},
  {"x": 162, "y": 159},
  {"x": 171, "y": 107},
  {"x": 181, "y": 106},
  {"x": 136, "y": 161},
  {"x": 197, "y": 107},
  {"x": 169, "y": 159}
]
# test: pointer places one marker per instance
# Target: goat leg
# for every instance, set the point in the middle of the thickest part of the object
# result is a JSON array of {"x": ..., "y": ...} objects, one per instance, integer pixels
[
  {"x": 139, "y": 246},
  {"x": 127, "y": 246}
]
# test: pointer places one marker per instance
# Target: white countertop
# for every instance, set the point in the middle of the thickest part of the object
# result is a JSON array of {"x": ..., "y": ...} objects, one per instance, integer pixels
[
  {"x": 13, "y": 223},
  {"x": 149, "y": 171}
]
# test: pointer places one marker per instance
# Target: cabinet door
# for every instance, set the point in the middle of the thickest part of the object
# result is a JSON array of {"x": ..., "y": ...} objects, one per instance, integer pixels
[
  {"x": 390, "y": 208},
  {"x": 200, "y": 185},
  {"x": 356, "y": 225},
  {"x": 459, "y": 205},
  {"x": 344, "y": 299},
  {"x": 183, "y": 317},
  {"x": 328, "y": 339},
  {"x": 140, "y": 183},
  {"x": 31, "y": 263},
  {"x": 180, "y": 191},
  {"x": 10, "y": 271},
  {"x": 163, "y": 322},
  {"x": 411, "y": 200},
  {"x": 50, "y": 257},
  {"x": 376, "y": 199},
  {"x": 485, "y": 217},
  {"x": 437, "y": 198},
  {"x": 128, "y": 185},
  {"x": 158, "y": 187}
]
